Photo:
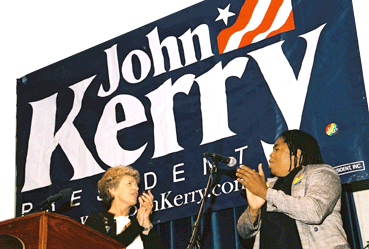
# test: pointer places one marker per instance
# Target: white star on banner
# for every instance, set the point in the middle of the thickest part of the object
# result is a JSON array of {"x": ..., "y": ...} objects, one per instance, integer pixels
[{"x": 224, "y": 14}]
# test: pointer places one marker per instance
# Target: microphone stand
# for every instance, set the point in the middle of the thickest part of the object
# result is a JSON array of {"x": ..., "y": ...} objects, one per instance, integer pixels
[{"x": 195, "y": 238}]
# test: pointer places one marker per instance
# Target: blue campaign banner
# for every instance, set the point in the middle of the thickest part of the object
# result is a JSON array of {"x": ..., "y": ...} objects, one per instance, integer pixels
[{"x": 225, "y": 77}]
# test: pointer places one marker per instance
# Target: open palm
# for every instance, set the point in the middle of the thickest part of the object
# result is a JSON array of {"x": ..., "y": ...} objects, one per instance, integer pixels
[{"x": 255, "y": 202}]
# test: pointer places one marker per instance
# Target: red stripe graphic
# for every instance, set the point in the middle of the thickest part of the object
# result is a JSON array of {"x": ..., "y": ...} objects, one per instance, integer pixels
[{"x": 257, "y": 20}]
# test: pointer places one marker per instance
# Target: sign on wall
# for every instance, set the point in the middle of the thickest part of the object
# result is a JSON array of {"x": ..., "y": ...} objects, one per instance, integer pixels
[{"x": 226, "y": 77}]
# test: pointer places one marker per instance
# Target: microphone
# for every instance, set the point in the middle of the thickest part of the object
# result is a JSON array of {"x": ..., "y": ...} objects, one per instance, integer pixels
[
  {"x": 51, "y": 199},
  {"x": 62, "y": 194},
  {"x": 230, "y": 161}
]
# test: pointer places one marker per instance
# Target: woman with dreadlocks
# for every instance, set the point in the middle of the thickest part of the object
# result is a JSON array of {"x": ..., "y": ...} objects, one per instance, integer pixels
[{"x": 300, "y": 207}]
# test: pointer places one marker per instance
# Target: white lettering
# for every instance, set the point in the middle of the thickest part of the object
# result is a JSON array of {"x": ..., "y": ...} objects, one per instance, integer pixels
[
  {"x": 241, "y": 152},
  {"x": 356, "y": 166},
  {"x": 113, "y": 70},
  {"x": 202, "y": 32},
  {"x": 106, "y": 141},
  {"x": 224, "y": 187},
  {"x": 83, "y": 219},
  {"x": 190, "y": 197},
  {"x": 201, "y": 195},
  {"x": 164, "y": 200},
  {"x": 165, "y": 134},
  {"x": 127, "y": 67},
  {"x": 147, "y": 187},
  {"x": 213, "y": 191},
  {"x": 42, "y": 141},
  {"x": 214, "y": 99},
  {"x": 156, "y": 205},
  {"x": 193, "y": 197},
  {"x": 288, "y": 92},
  {"x": 170, "y": 43},
  {"x": 176, "y": 198},
  {"x": 26, "y": 207},
  {"x": 74, "y": 197},
  {"x": 236, "y": 184},
  {"x": 175, "y": 173},
  {"x": 206, "y": 164}
]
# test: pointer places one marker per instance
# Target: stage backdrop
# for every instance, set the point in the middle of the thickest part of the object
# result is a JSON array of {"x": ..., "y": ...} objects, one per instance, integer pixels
[{"x": 226, "y": 77}]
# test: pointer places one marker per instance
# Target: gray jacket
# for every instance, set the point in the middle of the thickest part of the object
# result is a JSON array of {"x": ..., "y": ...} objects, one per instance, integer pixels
[{"x": 315, "y": 204}]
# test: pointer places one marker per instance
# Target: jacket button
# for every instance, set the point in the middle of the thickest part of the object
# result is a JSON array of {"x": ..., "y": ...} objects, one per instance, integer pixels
[{"x": 316, "y": 229}]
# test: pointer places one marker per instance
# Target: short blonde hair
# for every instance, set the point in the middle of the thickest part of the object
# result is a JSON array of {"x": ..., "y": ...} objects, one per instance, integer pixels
[{"x": 111, "y": 180}]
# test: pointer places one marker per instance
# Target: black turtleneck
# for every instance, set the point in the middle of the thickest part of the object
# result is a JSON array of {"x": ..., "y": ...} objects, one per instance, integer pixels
[{"x": 277, "y": 229}]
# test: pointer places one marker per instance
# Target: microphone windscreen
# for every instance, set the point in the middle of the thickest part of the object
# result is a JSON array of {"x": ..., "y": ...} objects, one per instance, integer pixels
[{"x": 232, "y": 162}]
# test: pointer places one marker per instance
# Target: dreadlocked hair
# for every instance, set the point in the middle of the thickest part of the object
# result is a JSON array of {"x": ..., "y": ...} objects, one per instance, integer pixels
[{"x": 310, "y": 151}]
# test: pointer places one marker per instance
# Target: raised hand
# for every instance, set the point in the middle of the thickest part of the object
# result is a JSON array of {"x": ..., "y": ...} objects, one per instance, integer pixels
[
  {"x": 146, "y": 205},
  {"x": 256, "y": 188},
  {"x": 255, "y": 185},
  {"x": 255, "y": 202}
]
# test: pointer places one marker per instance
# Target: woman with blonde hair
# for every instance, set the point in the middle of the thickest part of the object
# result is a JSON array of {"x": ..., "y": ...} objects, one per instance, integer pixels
[{"x": 118, "y": 189}]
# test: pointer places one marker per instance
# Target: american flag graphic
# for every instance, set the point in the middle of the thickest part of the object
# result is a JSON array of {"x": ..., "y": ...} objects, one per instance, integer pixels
[{"x": 257, "y": 20}]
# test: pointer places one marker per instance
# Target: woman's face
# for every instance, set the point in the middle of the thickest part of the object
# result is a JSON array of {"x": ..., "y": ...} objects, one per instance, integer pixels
[{"x": 127, "y": 191}]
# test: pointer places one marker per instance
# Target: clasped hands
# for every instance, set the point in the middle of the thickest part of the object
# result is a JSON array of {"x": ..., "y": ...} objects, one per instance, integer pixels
[
  {"x": 143, "y": 213},
  {"x": 254, "y": 182}
]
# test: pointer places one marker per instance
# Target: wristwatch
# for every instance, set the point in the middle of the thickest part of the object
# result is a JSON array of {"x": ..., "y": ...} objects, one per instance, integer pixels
[{"x": 148, "y": 228}]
